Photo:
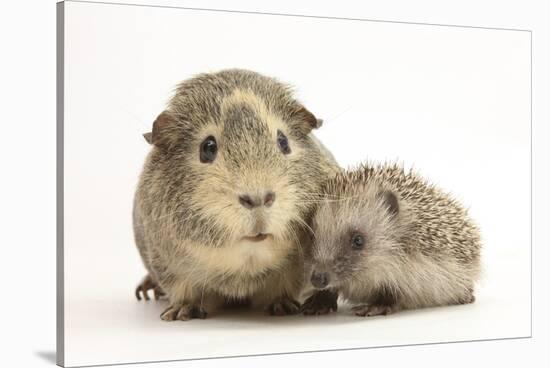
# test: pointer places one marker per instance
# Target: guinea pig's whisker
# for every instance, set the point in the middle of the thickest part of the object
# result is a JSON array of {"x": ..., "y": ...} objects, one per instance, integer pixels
[
  {"x": 158, "y": 218},
  {"x": 335, "y": 199},
  {"x": 161, "y": 217},
  {"x": 296, "y": 239},
  {"x": 306, "y": 226},
  {"x": 338, "y": 115},
  {"x": 204, "y": 282}
]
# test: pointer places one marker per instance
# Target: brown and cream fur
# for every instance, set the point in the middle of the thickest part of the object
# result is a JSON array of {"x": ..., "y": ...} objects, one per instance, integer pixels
[
  {"x": 190, "y": 228},
  {"x": 420, "y": 246}
]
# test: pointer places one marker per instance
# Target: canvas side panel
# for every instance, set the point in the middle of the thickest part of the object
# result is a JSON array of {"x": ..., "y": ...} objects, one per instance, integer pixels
[{"x": 60, "y": 69}]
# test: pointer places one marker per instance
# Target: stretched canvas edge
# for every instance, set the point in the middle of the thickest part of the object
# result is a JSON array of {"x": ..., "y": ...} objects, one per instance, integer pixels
[{"x": 60, "y": 97}]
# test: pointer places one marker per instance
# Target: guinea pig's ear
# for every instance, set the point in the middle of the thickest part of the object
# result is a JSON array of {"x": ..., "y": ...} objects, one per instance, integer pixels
[
  {"x": 148, "y": 137},
  {"x": 160, "y": 136},
  {"x": 306, "y": 119},
  {"x": 390, "y": 200}
]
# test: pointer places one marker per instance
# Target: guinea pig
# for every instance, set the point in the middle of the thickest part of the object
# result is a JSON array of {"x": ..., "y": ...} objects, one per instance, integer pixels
[
  {"x": 387, "y": 240},
  {"x": 223, "y": 202}
]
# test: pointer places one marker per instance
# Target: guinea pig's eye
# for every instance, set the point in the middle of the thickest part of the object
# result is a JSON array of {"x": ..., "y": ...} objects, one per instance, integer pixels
[
  {"x": 209, "y": 148},
  {"x": 357, "y": 242},
  {"x": 282, "y": 141}
]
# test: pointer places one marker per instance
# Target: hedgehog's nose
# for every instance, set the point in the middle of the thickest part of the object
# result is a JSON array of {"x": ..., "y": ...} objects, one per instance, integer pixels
[
  {"x": 253, "y": 201},
  {"x": 320, "y": 279}
]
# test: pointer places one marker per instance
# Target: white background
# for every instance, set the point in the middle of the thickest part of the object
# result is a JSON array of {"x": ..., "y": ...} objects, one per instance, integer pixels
[
  {"x": 32, "y": 273},
  {"x": 453, "y": 102}
]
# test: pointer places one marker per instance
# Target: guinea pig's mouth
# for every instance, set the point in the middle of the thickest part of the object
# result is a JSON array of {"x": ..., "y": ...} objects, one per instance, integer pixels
[{"x": 257, "y": 238}]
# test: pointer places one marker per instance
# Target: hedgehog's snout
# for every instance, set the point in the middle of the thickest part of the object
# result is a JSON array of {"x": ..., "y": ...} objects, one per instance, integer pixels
[{"x": 320, "y": 280}]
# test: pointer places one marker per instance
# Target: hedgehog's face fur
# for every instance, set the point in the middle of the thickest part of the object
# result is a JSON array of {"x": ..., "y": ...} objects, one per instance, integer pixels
[
  {"x": 235, "y": 157},
  {"x": 356, "y": 226}
]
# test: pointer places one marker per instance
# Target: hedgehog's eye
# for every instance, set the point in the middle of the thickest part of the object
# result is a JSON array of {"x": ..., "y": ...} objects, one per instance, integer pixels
[
  {"x": 282, "y": 142},
  {"x": 208, "y": 149},
  {"x": 357, "y": 242}
]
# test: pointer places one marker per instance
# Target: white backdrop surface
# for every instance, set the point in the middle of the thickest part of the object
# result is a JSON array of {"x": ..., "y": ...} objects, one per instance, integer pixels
[{"x": 454, "y": 103}]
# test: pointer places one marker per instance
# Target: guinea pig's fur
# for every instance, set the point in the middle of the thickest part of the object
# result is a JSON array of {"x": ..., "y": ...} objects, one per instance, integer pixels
[
  {"x": 204, "y": 231},
  {"x": 419, "y": 246}
]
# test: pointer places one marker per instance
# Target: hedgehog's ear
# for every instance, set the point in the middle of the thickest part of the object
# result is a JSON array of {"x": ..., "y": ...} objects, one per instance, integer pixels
[
  {"x": 390, "y": 200},
  {"x": 160, "y": 135},
  {"x": 307, "y": 120}
]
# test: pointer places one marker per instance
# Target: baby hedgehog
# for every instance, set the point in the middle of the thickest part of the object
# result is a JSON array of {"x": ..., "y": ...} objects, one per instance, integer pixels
[{"x": 388, "y": 240}]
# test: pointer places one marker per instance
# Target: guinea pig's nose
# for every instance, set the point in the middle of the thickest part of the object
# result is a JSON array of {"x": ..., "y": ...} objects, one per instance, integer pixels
[
  {"x": 269, "y": 198},
  {"x": 249, "y": 201},
  {"x": 253, "y": 201},
  {"x": 320, "y": 279}
]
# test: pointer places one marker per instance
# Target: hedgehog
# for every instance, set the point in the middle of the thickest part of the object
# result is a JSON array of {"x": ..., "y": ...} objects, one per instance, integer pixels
[{"x": 386, "y": 239}]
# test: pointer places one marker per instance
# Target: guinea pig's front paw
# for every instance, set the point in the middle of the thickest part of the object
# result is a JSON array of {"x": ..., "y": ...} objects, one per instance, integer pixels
[
  {"x": 373, "y": 310},
  {"x": 148, "y": 284},
  {"x": 322, "y": 302},
  {"x": 183, "y": 312},
  {"x": 283, "y": 306},
  {"x": 468, "y": 298}
]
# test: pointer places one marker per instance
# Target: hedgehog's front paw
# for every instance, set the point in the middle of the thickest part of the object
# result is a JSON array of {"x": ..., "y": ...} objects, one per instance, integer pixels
[
  {"x": 183, "y": 312},
  {"x": 321, "y": 302},
  {"x": 373, "y": 310},
  {"x": 283, "y": 306},
  {"x": 146, "y": 285}
]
